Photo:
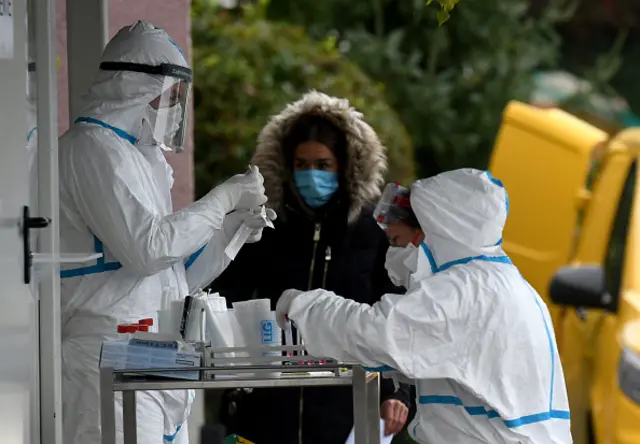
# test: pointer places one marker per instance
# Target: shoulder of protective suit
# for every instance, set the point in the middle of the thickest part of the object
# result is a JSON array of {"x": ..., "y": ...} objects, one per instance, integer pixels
[
  {"x": 94, "y": 143},
  {"x": 464, "y": 285}
]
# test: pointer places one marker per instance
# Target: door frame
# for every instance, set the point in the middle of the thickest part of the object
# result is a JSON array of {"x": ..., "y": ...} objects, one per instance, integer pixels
[{"x": 49, "y": 286}]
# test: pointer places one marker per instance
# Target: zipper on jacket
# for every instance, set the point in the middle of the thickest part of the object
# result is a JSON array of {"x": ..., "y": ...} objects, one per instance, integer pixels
[
  {"x": 316, "y": 239},
  {"x": 327, "y": 260},
  {"x": 312, "y": 266},
  {"x": 301, "y": 412}
]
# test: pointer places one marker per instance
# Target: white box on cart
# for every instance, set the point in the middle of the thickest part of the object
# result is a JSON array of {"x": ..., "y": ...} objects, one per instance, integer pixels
[{"x": 139, "y": 353}]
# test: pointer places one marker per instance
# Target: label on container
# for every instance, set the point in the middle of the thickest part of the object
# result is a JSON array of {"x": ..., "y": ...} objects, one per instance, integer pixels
[
  {"x": 271, "y": 335},
  {"x": 154, "y": 344},
  {"x": 268, "y": 329}
]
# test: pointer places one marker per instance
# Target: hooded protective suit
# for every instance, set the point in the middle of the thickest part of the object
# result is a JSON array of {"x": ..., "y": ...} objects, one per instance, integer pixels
[
  {"x": 473, "y": 334},
  {"x": 115, "y": 199}
]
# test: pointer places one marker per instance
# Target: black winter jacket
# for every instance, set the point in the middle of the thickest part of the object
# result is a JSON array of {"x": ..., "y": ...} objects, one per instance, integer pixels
[
  {"x": 341, "y": 249},
  {"x": 349, "y": 261}
]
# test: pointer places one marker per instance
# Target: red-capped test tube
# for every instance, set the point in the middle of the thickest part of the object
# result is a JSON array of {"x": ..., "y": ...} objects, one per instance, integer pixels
[
  {"x": 148, "y": 322},
  {"x": 127, "y": 330}
]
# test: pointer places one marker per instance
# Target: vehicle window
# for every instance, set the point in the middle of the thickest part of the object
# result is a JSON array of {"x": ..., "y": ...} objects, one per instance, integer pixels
[
  {"x": 614, "y": 260},
  {"x": 597, "y": 154}
]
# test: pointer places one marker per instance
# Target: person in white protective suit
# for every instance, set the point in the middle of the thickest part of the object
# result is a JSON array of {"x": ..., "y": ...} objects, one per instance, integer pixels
[
  {"x": 470, "y": 331},
  {"x": 115, "y": 200}
]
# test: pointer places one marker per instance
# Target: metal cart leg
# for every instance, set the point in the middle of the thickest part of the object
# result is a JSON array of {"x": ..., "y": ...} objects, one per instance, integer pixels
[
  {"x": 373, "y": 409},
  {"x": 129, "y": 417},
  {"x": 107, "y": 407},
  {"x": 360, "y": 398}
]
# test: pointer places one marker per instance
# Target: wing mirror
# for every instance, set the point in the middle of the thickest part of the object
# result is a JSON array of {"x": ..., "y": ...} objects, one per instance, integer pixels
[{"x": 581, "y": 287}]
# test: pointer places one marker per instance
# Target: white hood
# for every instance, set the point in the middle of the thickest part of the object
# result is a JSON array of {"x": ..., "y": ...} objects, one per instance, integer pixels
[
  {"x": 462, "y": 214},
  {"x": 120, "y": 98}
]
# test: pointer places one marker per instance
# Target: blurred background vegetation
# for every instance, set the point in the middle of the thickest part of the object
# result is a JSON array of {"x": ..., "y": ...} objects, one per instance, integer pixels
[
  {"x": 431, "y": 78},
  {"x": 248, "y": 69},
  {"x": 434, "y": 93}
]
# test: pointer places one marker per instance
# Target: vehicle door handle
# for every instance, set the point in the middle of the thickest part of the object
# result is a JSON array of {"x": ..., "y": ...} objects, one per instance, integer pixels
[
  {"x": 29, "y": 223},
  {"x": 582, "y": 313}
]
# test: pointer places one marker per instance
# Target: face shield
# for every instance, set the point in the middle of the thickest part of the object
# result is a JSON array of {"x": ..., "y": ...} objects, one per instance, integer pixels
[
  {"x": 168, "y": 111},
  {"x": 393, "y": 206}
]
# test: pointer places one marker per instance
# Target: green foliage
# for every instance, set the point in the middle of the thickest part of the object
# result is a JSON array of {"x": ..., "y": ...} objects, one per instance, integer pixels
[
  {"x": 247, "y": 69},
  {"x": 446, "y": 6},
  {"x": 449, "y": 84}
]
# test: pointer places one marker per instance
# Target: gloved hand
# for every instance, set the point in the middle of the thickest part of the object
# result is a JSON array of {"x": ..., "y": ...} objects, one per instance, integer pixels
[
  {"x": 241, "y": 192},
  {"x": 255, "y": 221},
  {"x": 284, "y": 305}
]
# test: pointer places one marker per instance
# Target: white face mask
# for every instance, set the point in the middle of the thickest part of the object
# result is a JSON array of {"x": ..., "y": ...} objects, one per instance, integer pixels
[
  {"x": 407, "y": 266},
  {"x": 163, "y": 123},
  {"x": 401, "y": 263}
]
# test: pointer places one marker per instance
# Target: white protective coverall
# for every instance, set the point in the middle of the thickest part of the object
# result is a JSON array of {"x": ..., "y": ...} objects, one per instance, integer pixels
[
  {"x": 115, "y": 199},
  {"x": 473, "y": 334}
]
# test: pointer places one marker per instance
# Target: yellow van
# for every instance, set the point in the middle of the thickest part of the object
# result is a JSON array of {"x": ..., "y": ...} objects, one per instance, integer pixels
[{"x": 574, "y": 232}]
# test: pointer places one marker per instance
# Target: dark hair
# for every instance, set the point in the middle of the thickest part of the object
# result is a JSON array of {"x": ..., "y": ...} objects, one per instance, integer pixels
[
  {"x": 412, "y": 220},
  {"x": 313, "y": 128},
  {"x": 404, "y": 214}
]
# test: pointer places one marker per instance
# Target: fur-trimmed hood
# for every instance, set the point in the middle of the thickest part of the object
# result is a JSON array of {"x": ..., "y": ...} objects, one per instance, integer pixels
[{"x": 366, "y": 156}]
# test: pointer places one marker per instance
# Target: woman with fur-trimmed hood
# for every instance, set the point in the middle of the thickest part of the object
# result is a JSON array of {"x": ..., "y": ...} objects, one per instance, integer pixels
[{"x": 323, "y": 167}]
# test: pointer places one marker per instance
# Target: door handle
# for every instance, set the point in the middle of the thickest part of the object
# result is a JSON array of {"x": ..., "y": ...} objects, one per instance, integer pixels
[
  {"x": 582, "y": 313},
  {"x": 29, "y": 223}
]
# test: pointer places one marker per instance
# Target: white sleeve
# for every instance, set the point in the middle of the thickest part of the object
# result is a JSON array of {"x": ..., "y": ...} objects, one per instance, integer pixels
[
  {"x": 426, "y": 333},
  {"x": 122, "y": 214},
  {"x": 339, "y": 328},
  {"x": 207, "y": 263}
]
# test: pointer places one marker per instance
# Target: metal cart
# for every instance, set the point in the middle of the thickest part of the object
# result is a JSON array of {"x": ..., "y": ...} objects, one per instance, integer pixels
[{"x": 228, "y": 373}]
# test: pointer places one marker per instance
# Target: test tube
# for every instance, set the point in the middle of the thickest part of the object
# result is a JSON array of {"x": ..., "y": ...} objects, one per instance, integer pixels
[{"x": 203, "y": 325}]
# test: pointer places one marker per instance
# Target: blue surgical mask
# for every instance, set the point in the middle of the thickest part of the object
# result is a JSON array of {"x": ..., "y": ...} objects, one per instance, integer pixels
[{"x": 316, "y": 186}]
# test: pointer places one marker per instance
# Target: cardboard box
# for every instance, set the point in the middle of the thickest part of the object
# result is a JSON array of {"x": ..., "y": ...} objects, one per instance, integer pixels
[{"x": 151, "y": 354}]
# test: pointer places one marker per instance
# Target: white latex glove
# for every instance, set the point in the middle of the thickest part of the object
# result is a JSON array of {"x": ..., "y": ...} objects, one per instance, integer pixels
[
  {"x": 234, "y": 220},
  {"x": 284, "y": 305},
  {"x": 242, "y": 191}
]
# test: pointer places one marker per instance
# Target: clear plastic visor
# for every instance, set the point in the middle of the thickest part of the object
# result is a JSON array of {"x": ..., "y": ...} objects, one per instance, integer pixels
[
  {"x": 170, "y": 108},
  {"x": 393, "y": 205}
]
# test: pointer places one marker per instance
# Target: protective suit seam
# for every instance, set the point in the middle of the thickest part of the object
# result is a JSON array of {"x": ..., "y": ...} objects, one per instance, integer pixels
[
  {"x": 101, "y": 265},
  {"x": 172, "y": 437},
  {"x": 194, "y": 257},
  {"x": 491, "y": 413},
  {"x": 118, "y": 132}
]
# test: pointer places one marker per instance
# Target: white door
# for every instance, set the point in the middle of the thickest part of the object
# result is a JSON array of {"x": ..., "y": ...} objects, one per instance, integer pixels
[{"x": 18, "y": 308}]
